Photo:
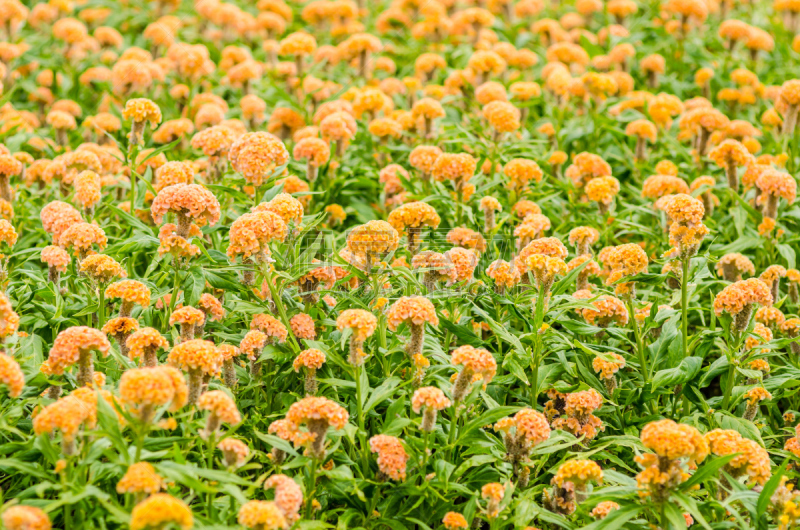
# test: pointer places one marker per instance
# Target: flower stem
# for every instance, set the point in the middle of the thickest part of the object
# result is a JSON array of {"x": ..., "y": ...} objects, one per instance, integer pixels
[{"x": 685, "y": 305}]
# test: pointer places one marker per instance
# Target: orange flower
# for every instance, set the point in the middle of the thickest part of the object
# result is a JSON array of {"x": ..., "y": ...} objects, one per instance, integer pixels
[
  {"x": 159, "y": 511},
  {"x": 392, "y": 456}
]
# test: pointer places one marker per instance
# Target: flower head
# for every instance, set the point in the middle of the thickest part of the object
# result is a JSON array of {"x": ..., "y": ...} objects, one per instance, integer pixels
[
  {"x": 140, "y": 477},
  {"x": 363, "y": 323},
  {"x": 196, "y": 354},
  {"x": 416, "y": 310},
  {"x": 257, "y": 155},
  {"x": 21, "y": 517},
  {"x": 392, "y": 456},
  {"x": 159, "y": 511}
]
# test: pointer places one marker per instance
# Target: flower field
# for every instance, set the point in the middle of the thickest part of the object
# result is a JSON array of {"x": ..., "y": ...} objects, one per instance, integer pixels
[{"x": 406, "y": 264}]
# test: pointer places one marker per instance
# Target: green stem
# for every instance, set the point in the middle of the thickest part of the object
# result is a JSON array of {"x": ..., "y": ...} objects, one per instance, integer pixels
[
  {"x": 451, "y": 437},
  {"x": 729, "y": 386},
  {"x": 361, "y": 431},
  {"x": 639, "y": 341},
  {"x": 101, "y": 311},
  {"x": 425, "y": 436},
  {"x": 281, "y": 309},
  {"x": 685, "y": 305},
  {"x": 310, "y": 487}
]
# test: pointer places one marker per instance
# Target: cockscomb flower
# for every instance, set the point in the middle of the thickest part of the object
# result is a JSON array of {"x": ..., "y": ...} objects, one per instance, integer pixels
[
  {"x": 772, "y": 276},
  {"x": 502, "y": 116},
  {"x": 603, "y": 509},
  {"x": 212, "y": 309},
  {"x": 731, "y": 267},
  {"x": 9, "y": 319},
  {"x": 492, "y": 493},
  {"x": 456, "y": 167},
  {"x": 130, "y": 292},
  {"x": 504, "y": 274},
  {"x": 87, "y": 191},
  {"x": 687, "y": 229},
  {"x": 532, "y": 227},
  {"x": 317, "y": 152},
  {"x": 339, "y": 127},
  {"x": 413, "y": 217},
  {"x": 317, "y": 414},
  {"x": 657, "y": 186},
  {"x": 772, "y": 317},
  {"x": 392, "y": 456},
  {"x": 466, "y": 238},
  {"x": 198, "y": 358},
  {"x": 602, "y": 190},
  {"x": 256, "y": 156},
  {"x": 623, "y": 261},
  {"x": 424, "y": 111},
  {"x": 173, "y": 173},
  {"x": 731, "y": 155},
  {"x": 57, "y": 260},
  {"x": 790, "y": 98},
  {"x": 80, "y": 237},
  {"x": 311, "y": 360},
  {"x": 586, "y": 166},
  {"x": 75, "y": 345},
  {"x": 140, "y": 479},
  {"x": 644, "y": 131},
  {"x": 414, "y": 311},
  {"x": 454, "y": 521},
  {"x": 754, "y": 397},
  {"x": 189, "y": 202},
  {"x": 215, "y": 142},
  {"x": 161, "y": 511},
  {"x": 11, "y": 375},
  {"x": 579, "y": 420},
  {"x": 738, "y": 299},
  {"x": 675, "y": 447},
  {"x": 489, "y": 205},
  {"x": 286, "y": 207},
  {"x": 262, "y": 515},
  {"x": 423, "y": 158},
  {"x": 373, "y": 239},
  {"x": 120, "y": 328},
  {"x": 521, "y": 433},
  {"x": 269, "y": 326},
  {"x": 608, "y": 368},
  {"x": 752, "y": 460},
  {"x": 234, "y": 452},
  {"x": 143, "y": 390},
  {"x": 761, "y": 334},
  {"x": 187, "y": 317},
  {"x": 363, "y": 324},
  {"x": 21, "y": 517},
  {"x": 437, "y": 268},
  {"x": 140, "y": 112},
  {"x": 464, "y": 262},
  {"x": 288, "y": 496},
  {"x": 221, "y": 408},
  {"x": 774, "y": 185},
  {"x": 429, "y": 400},
  {"x": 251, "y": 346},
  {"x": 67, "y": 414},
  {"x": 250, "y": 236},
  {"x": 475, "y": 362},
  {"x": 607, "y": 310},
  {"x": 228, "y": 353},
  {"x": 582, "y": 238},
  {"x": 569, "y": 485},
  {"x": 145, "y": 343}
]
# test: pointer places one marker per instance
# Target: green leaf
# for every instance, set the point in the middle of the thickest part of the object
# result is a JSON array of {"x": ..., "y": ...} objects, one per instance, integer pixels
[{"x": 686, "y": 371}]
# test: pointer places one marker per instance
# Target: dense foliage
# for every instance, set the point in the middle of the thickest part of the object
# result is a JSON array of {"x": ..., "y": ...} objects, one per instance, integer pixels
[{"x": 441, "y": 264}]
